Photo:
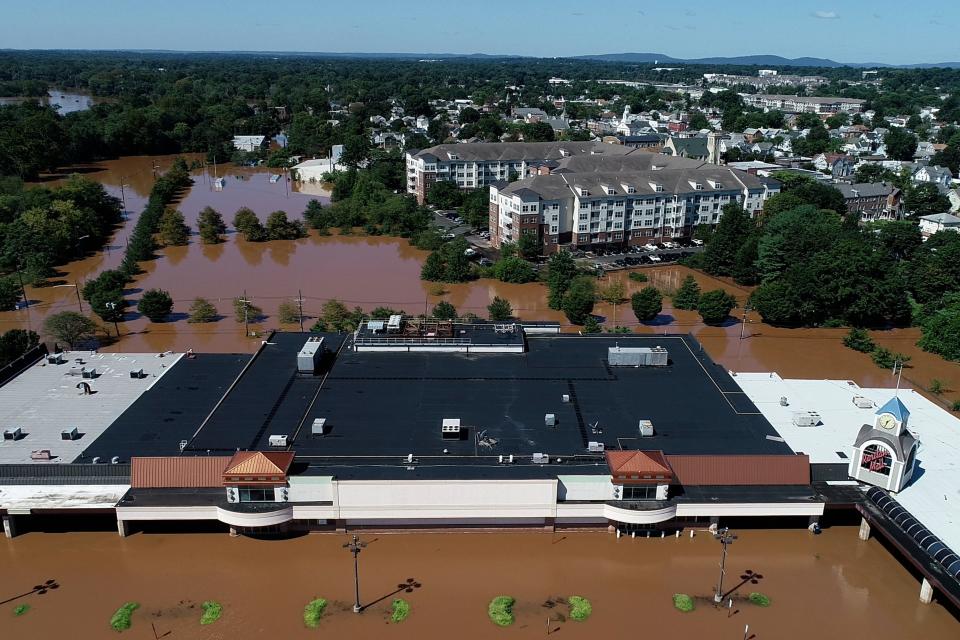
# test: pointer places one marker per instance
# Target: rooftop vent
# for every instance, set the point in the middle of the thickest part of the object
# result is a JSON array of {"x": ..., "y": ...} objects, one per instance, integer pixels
[
  {"x": 277, "y": 440},
  {"x": 41, "y": 454},
  {"x": 137, "y": 374},
  {"x": 541, "y": 458},
  {"x": 862, "y": 402},
  {"x": 114, "y": 460},
  {"x": 565, "y": 398},
  {"x": 550, "y": 419},
  {"x": 13, "y": 434},
  {"x": 784, "y": 402},
  {"x": 56, "y": 358},
  {"x": 70, "y": 434},
  {"x": 450, "y": 429},
  {"x": 595, "y": 447},
  {"x": 646, "y": 428},
  {"x": 319, "y": 426}
]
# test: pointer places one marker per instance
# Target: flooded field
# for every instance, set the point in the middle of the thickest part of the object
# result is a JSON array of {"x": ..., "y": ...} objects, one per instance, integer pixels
[
  {"x": 827, "y": 586},
  {"x": 65, "y": 100},
  {"x": 372, "y": 271}
]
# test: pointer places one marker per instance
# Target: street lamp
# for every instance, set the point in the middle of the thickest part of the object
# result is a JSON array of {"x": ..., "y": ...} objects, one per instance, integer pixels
[
  {"x": 355, "y": 547},
  {"x": 113, "y": 308},
  {"x": 725, "y": 538}
]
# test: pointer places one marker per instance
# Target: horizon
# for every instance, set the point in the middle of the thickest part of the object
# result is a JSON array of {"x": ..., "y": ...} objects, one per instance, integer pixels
[{"x": 562, "y": 29}]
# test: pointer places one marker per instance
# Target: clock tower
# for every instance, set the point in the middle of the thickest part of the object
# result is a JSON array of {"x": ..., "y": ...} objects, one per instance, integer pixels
[{"x": 884, "y": 453}]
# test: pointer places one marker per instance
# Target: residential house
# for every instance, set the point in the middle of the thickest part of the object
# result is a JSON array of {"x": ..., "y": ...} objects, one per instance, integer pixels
[
  {"x": 872, "y": 201},
  {"x": 937, "y": 222},
  {"x": 940, "y": 176},
  {"x": 839, "y": 165},
  {"x": 695, "y": 148},
  {"x": 250, "y": 143}
]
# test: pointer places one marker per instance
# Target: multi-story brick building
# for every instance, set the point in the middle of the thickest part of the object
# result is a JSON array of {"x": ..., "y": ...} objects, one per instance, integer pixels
[
  {"x": 803, "y": 104},
  {"x": 873, "y": 200}
]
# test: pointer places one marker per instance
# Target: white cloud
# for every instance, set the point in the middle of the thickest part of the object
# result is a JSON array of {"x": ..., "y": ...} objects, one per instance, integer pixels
[{"x": 826, "y": 15}]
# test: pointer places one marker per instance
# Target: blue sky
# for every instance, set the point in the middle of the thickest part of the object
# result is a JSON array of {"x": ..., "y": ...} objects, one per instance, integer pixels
[{"x": 844, "y": 30}]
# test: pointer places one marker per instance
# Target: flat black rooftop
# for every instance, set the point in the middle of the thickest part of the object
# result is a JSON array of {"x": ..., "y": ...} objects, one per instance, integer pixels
[{"x": 380, "y": 407}]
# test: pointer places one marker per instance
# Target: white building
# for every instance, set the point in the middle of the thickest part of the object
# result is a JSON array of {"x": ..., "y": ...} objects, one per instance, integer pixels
[
  {"x": 249, "y": 143},
  {"x": 937, "y": 222}
]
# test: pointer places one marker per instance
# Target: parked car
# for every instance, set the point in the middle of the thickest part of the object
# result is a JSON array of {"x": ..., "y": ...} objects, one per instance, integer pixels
[
  {"x": 697, "y": 242},
  {"x": 449, "y": 236},
  {"x": 469, "y": 252},
  {"x": 670, "y": 245},
  {"x": 655, "y": 258},
  {"x": 650, "y": 247},
  {"x": 486, "y": 262}
]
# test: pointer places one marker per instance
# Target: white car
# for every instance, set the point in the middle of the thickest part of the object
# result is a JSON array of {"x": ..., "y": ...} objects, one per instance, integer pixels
[
  {"x": 697, "y": 242},
  {"x": 650, "y": 247},
  {"x": 655, "y": 258},
  {"x": 670, "y": 245},
  {"x": 470, "y": 252}
]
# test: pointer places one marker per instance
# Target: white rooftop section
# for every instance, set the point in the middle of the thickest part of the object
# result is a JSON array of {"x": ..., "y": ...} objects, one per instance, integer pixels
[
  {"x": 22, "y": 498},
  {"x": 45, "y": 400},
  {"x": 932, "y": 497}
]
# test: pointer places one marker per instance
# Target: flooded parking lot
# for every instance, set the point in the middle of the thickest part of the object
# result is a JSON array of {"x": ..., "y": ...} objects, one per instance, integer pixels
[{"x": 827, "y": 586}]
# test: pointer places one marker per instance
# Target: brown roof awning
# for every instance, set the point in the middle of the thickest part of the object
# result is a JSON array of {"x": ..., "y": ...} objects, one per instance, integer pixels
[
  {"x": 645, "y": 464},
  {"x": 741, "y": 470},
  {"x": 177, "y": 472}
]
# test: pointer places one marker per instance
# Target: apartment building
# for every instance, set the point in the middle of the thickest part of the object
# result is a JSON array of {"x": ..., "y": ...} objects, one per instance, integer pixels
[
  {"x": 803, "y": 104},
  {"x": 616, "y": 208},
  {"x": 873, "y": 200},
  {"x": 477, "y": 164}
]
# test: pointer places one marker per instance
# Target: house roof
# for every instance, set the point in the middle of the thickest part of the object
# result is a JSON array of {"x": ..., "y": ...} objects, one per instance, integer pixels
[
  {"x": 650, "y": 463},
  {"x": 706, "y": 470},
  {"x": 259, "y": 463},
  {"x": 865, "y": 189},
  {"x": 177, "y": 472},
  {"x": 942, "y": 218}
]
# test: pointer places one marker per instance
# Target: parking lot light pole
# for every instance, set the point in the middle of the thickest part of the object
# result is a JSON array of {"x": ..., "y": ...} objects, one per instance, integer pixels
[{"x": 725, "y": 538}]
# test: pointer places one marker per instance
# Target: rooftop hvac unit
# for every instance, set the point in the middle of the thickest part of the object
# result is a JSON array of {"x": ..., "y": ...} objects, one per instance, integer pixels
[
  {"x": 450, "y": 429},
  {"x": 88, "y": 373},
  {"x": 376, "y": 326},
  {"x": 310, "y": 355},
  {"x": 637, "y": 356},
  {"x": 784, "y": 402},
  {"x": 863, "y": 403},
  {"x": 41, "y": 454},
  {"x": 137, "y": 374},
  {"x": 541, "y": 458},
  {"x": 595, "y": 447},
  {"x": 70, "y": 434},
  {"x": 806, "y": 419},
  {"x": 565, "y": 398},
  {"x": 658, "y": 357},
  {"x": 13, "y": 434},
  {"x": 393, "y": 323},
  {"x": 319, "y": 426},
  {"x": 277, "y": 440},
  {"x": 550, "y": 419},
  {"x": 56, "y": 358},
  {"x": 646, "y": 428}
]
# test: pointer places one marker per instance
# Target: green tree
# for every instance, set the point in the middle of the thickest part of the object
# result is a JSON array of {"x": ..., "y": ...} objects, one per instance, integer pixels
[
  {"x": 69, "y": 327},
  {"x": 10, "y": 294},
  {"x": 211, "y": 226},
  {"x": 925, "y": 199},
  {"x": 721, "y": 251},
  {"x": 288, "y": 312},
  {"x": 108, "y": 304},
  {"x": 528, "y": 246},
  {"x": 647, "y": 304},
  {"x": 201, "y": 311},
  {"x": 245, "y": 311},
  {"x": 561, "y": 270},
  {"x": 859, "y": 340},
  {"x": 174, "y": 232},
  {"x": 15, "y": 342},
  {"x": 444, "y": 194},
  {"x": 444, "y": 311},
  {"x": 499, "y": 310},
  {"x": 155, "y": 304},
  {"x": 579, "y": 299},
  {"x": 590, "y": 325},
  {"x": 515, "y": 270},
  {"x": 336, "y": 316},
  {"x": 688, "y": 295},
  {"x": 715, "y": 306},
  {"x": 900, "y": 143},
  {"x": 941, "y": 330},
  {"x": 280, "y": 228},
  {"x": 246, "y": 222}
]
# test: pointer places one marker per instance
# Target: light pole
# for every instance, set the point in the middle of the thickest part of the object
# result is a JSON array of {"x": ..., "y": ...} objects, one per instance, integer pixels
[
  {"x": 355, "y": 547},
  {"x": 75, "y": 286},
  {"x": 113, "y": 312},
  {"x": 725, "y": 538}
]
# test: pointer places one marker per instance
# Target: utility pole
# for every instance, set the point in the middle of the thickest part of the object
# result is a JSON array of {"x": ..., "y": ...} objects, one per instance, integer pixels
[
  {"x": 355, "y": 547},
  {"x": 123, "y": 197},
  {"x": 246, "y": 319},
  {"x": 76, "y": 285},
  {"x": 113, "y": 308},
  {"x": 743, "y": 322},
  {"x": 725, "y": 538},
  {"x": 300, "y": 304},
  {"x": 23, "y": 290}
]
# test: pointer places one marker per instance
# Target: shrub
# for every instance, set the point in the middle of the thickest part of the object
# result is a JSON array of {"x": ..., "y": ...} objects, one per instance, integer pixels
[
  {"x": 579, "y": 300},
  {"x": 211, "y": 611},
  {"x": 21, "y": 609},
  {"x": 500, "y": 310},
  {"x": 253, "y": 312},
  {"x": 288, "y": 312},
  {"x": 400, "y": 611},
  {"x": 501, "y": 610},
  {"x": 580, "y": 608},
  {"x": 715, "y": 306},
  {"x": 936, "y": 386},
  {"x": 886, "y": 359},
  {"x": 173, "y": 230},
  {"x": 647, "y": 304},
  {"x": 590, "y": 325},
  {"x": 636, "y": 276},
  {"x": 121, "y": 619},
  {"x": 202, "y": 311},
  {"x": 759, "y": 599},
  {"x": 313, "y": 612},
  {"x": 156, "y": 304},
  {"x": 683, "y": 602},
  {"x": 444, "y": 311},
  {"x": 516, "y": 270},
  {"x": 955, "y": 406},
  {"x": 688, "y": 295},
  {"x": 859, "y": 340}
]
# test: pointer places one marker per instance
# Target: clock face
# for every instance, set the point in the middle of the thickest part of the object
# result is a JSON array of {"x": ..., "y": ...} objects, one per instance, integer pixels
[{"x": 887, "y": 421}]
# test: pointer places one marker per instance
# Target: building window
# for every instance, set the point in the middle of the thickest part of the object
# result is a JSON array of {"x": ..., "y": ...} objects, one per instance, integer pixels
[
  {"x": 256, "y": 494},
  {"x": 640, "y": 493}
]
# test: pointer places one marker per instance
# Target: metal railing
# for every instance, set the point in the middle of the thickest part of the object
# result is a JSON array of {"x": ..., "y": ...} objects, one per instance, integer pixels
[{"x": 411, "y": 340}]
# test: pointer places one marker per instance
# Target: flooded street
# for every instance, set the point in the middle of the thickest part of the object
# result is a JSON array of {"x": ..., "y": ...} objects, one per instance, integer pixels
[
  {"x": 65, "y": 100},
  {"x": 370, "y": 271},
  {"x": 827, "y": 586}
]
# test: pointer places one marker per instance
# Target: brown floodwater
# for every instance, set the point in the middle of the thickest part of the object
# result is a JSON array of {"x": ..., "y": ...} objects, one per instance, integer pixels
[
  {"x": 373, "y": 271},
  {"x": 827, "y": 586},
  {"x": 65, "y": 101}
]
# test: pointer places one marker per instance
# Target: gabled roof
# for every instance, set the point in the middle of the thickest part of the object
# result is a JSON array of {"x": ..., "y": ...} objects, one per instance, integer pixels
[
  {"x": 895, "y": 407},
  {"x": 642, "y": 463},
  {"x": 263, "y": 463},
  {"x": 177, "y": 472}
]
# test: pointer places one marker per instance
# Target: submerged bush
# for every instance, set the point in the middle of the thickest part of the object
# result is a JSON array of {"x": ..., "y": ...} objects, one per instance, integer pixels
[
  {"x": 683, "y": 602},
  {"x": 121, "y": 620},
  {"x": 21, "y": 609},
  {"x": 580, "y": 608},
  {"x": 501, "y": 610},
  {"x": 211, "y": 611},
  {"x": 759, "y": 599},
  {"x": 401, "y": 609},
  {"x": 313, "y": 612}
]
